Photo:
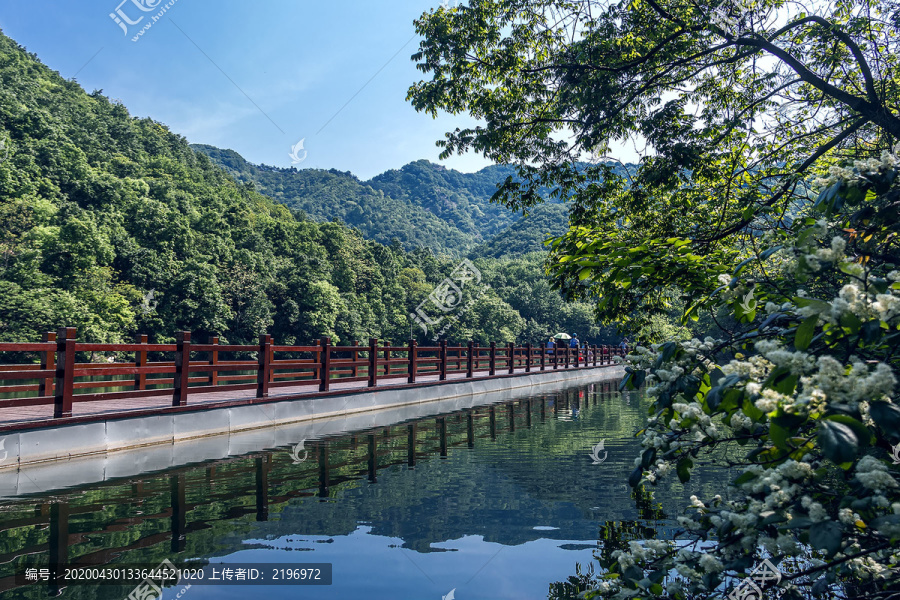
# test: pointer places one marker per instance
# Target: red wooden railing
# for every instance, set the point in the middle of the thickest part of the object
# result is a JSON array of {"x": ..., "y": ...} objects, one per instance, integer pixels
[{"x": 185, "y": 367}]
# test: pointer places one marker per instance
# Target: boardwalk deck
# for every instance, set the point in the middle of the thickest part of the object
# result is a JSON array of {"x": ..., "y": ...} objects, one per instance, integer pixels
[
  {"x": 29, "y": 416},
  {"x": 62, "y": 381}
]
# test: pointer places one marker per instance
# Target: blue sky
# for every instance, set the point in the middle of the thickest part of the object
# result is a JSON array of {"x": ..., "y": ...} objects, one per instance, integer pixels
[{"x": 254, "y": 76}]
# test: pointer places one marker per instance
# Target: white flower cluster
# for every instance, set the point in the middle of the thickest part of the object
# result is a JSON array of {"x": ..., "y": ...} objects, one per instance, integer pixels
[
  {"x": 860, "y": 167},
  {"x": 792, "y": 489},
  {"x": 873, "y": 474}
]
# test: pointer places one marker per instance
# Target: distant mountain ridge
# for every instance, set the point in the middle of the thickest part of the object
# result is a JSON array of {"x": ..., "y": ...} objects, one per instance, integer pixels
[{"x": 421, "y": 204}]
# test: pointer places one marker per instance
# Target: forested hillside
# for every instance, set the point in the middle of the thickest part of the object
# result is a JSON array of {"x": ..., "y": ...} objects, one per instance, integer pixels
[
  {"x": 462, "y": 199},
  {"x": 114, "y": 225},
  {"x": 420, "y": 205},
  {"x": 326, "y": 195},
  {"x": 528, "y": 233}
]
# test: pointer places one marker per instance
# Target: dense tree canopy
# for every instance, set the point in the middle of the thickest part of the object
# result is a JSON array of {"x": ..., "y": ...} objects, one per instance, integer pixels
[
  {"x": 735, "y": 102},
  {"x": 768, "y": 194},
  {"x": 114, "y": 225}
]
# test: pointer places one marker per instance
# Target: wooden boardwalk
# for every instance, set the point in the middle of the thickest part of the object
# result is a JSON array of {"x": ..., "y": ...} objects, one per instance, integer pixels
[
  {"x": 42, "y": 415},
  {"x": 53, "y": 385}
]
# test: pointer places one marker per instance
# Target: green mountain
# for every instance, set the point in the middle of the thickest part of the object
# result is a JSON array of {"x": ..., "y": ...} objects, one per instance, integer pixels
[
  {"x": 528, "y": 233},
  {"x": 325, "y": 195},
  {"x": 420, "y": 205},
  {"x": 114, "y": 225},
  {"x": 462, "y": 199}
]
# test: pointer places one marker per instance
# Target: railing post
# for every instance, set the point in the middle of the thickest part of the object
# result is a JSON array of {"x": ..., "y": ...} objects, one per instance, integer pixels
[
  {"x": 140, "y": 360},
  {"x": 412, "y": 355},
  {"x": 263, "y": 355},
  {"x": 512, "y": 356},
  {"x": 595, "y": 355},
  {"x": 442, "y": 376},
  {"x": 59, "y": 543},
  {"x": 325, "y": 364},
  {"x": 543, "y": 359},
  {"x": 182, "y": 368},
  {"x": 387, "y": 358},
  {"x": 528, "y": 360},
  {"x": 65, "y": 372},
  {"x": 48, "y": 363},
  {"x": 355, "y": 358},
  {"x": 373, "y": 362},
  {"x": 470, "y": 365},
  {"x": 577, "y": 356},
  {"x": 568, "y": 352},
  {"x": 493, "y": 359},
  {"x": 214, "y": 361}
]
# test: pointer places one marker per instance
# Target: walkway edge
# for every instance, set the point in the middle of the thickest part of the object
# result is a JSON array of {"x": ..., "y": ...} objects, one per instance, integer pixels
[{"x": 35, "y": 445}]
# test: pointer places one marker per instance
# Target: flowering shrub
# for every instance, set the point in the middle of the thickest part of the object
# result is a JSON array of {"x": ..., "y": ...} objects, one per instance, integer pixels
[{"x": 805, "y": 387}]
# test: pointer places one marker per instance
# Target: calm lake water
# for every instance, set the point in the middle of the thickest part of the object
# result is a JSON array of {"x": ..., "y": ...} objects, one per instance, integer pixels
[{"x": 496, "y": 502}]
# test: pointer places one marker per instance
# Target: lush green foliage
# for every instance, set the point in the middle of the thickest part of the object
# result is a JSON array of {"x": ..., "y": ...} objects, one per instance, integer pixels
[
  {"x": 555, "y": 81},
  {"x": 114, "y": 225},
  {"x": 528, "y": 233},
  {"x": 742, "y": 104},
  {"x": 326, "y": 195},
  {"x": 420, "y": 205}
]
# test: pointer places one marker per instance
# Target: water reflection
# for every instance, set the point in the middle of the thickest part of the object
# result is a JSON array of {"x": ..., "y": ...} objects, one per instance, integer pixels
[{"x": 494, "y": 502}]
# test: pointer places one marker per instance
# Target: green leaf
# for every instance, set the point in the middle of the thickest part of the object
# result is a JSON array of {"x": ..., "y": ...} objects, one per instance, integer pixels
[
  {"x": 779, "y": 436},
  {"x": 769, "y": 252},
  {"x": 818, "y": 305},
  {"x": 635, "y": 478},
  {"x": 745, "y": 477},
  {"x": 838, "y": 441},
  {"x": 798, "y": 523},
  {"x": 683, "y": 468},
  {"x": 826, "y": 535},
  {"x": 639, "y": 378},
  {"x": 782, "y": 381},
  {"x": 751, "y": 411},
  {"x": 741, "y": 266},
  {"x": 863, "y": 435},
  {"x": 805, "y": 332},
  {"x": 871, "y": 331},
  {"x": 887, "y": 416},
  {"x": 668, "y": 349}
]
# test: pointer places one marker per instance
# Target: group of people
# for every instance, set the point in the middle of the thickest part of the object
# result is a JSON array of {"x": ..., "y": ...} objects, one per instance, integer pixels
[
  {"x": 552, "y": 343},
  {"x": 573, "y": 343}
]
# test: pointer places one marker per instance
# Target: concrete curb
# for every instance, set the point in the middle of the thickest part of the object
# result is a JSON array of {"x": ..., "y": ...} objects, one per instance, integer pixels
[{"x": 39, "y": 460}]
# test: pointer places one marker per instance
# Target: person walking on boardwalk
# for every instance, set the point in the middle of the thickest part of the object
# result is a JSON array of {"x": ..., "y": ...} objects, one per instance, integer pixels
[
  {"x": 574, "y": 345},
  {"x": 550, "y": 346}
]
